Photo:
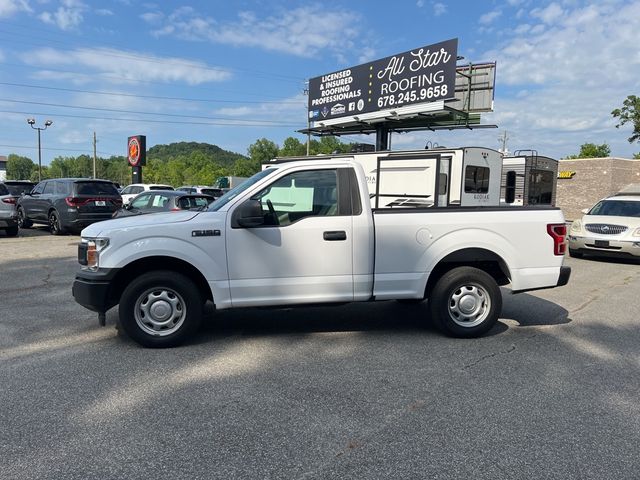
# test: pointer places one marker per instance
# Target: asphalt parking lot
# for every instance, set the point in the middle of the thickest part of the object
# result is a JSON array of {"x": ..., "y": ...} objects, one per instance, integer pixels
[{"x": 359, "y": 391}]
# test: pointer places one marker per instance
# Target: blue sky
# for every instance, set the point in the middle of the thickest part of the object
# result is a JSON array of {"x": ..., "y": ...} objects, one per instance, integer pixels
[{"x": 232, "y": 72}]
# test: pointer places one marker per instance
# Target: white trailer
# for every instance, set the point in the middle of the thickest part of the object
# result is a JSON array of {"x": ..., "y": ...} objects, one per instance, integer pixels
[
  {"x": 441, "y": 177},
  {"x": 528, "y": 179}
]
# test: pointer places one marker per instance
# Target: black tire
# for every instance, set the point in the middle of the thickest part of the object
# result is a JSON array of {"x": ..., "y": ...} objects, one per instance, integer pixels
[
  {"x": 575, "y": 253},
  {"x": 12, "y": 231},
  {"x": 160, "y": 309},
  {"x": 23, "y": 221},
  {"x": 465, "y": 302},
  {"x": 55, "y": 227}
]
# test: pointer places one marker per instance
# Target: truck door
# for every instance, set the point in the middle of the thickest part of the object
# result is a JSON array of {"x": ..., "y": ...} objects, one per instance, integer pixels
[{"x": 303, "y": 253}]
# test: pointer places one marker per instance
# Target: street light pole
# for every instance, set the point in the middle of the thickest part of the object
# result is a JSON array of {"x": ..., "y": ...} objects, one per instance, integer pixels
[{"x": 47, "y": 123}]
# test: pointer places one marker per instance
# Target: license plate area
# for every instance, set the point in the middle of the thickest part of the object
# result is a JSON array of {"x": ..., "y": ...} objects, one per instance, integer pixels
[
  {"x": 601, "y": 243},
  {"x": 101, "y": 203}
]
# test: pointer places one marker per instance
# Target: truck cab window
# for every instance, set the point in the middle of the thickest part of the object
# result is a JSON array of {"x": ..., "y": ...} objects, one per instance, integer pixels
[{"x": 300, "y": 195}]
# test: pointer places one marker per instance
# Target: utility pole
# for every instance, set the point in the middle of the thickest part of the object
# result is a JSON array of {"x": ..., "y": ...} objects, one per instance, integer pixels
[
  {"x": 504, "y": 139},
  {"x": 94, "y": 154},
  {"x": 306, "y": 92}
]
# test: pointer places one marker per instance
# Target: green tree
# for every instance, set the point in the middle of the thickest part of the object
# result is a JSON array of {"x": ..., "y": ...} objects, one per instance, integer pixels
[
  {"x": 20, "y": 168},
  {"x": 245, "y": 167},
  {"x": 292, "y": 147},
  {"x": 629, "y": 113},
  {"x": 263, "y": 150},
  {"x": 330, "y": 145},
  {"x": 591, "y": 150}
]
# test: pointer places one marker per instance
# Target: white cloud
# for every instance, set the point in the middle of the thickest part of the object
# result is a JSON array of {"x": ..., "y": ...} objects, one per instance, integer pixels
[
  {"x": 10, "y": 7},
  {"x": 439, "y": 9},
  {"x": 293, "y": 31},
  {"x": 551, "y": 14},
  {"x": 293, "y": 107},
  {"x": 128, "y": 65},
  {"x": 104, "y": 12},
  {"x": 68, "y": 16},
  {"x": 570, "y": 72},
  {"x": 489, "y": 17},
  {"x": 152, "y": 18}
]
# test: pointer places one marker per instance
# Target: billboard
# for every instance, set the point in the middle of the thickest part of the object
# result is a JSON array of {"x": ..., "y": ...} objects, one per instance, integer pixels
[{"x": 420, "y": 76}]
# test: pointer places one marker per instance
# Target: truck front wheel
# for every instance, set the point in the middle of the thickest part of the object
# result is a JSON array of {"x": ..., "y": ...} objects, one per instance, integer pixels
[
  {"x": 160, "y": 309},
  {"x": 465, "y": 302}
]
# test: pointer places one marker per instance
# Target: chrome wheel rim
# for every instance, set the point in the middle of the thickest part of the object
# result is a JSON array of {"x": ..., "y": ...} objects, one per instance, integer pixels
[
  {"x": 53, "y": 223},
  {"x": 160, "y": 311},
  {"x": 20, "y": 218},
  {"x": 469, "y": 305}
]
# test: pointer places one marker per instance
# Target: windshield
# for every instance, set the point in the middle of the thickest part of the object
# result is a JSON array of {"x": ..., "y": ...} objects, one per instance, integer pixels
[
  {"x": 235, "y": 191},
  {"x": 618, "y": 208},
  {"x": 19, "y": 188},
  {"x": 96, "y": 188}
]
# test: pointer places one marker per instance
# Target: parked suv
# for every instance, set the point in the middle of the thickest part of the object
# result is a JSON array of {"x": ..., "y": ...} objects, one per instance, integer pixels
[
  {"x": 68, "y": 204},
  {"x": 8, "y": 214}
]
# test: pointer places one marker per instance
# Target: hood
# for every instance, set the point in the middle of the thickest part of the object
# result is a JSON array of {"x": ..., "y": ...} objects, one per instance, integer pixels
[{"x": 136, "y": 221}]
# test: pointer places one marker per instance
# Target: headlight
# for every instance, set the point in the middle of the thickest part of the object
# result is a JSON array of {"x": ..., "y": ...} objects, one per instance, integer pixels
[
  {"x": 636, "y": 232},
  {"x": 89, "y": 252},
  {"x": 576, "y": 226}
]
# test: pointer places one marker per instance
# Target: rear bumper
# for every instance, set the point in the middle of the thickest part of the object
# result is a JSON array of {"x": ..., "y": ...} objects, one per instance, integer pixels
[
  {"x": 563, "y": 279},
  {"x": 73, "y": 220},
  {"x": 93, "y": 290},
  {"x": 8, "y": 222}
]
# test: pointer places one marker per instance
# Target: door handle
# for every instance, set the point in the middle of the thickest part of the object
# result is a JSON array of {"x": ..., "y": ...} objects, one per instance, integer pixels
[{"x": 334, "y": 235}]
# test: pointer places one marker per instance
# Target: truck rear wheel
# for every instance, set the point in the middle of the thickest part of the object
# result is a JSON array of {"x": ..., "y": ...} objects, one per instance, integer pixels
[
  {"x": 160, "y": 309},
  {"x": 465, "y": 302}
]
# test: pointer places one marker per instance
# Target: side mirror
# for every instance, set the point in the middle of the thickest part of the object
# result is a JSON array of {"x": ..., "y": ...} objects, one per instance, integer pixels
[
  {"x": 585, "y": 210},
  {"x": 248, "y": 215}
]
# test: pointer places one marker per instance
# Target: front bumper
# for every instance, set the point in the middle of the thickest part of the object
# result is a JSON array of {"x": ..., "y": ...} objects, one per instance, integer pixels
[
  {"x": 602, "y": 245},
  {"x": 93, "y": 290}
]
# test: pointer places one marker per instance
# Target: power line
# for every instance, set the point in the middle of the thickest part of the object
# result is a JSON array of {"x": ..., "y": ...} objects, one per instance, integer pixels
[
  {"x": 47, "y": 148},
  {"x": 148, "y": 120},
  {"x": 155, "y": 97},
  {"x": 135, "y": 112},
  {"x": 102, "y": 75}
]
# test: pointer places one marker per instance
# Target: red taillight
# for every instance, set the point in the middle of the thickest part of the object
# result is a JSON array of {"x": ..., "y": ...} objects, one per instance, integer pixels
[
  {"x": 75, "y": 201},
  {"x": 79, "y": 202},
  {"x": 9, "y": 200},
  {"x": 558, "y": 232}
]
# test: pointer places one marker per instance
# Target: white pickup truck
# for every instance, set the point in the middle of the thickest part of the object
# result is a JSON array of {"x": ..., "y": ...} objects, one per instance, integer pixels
[{"x": 305, "y": 232}]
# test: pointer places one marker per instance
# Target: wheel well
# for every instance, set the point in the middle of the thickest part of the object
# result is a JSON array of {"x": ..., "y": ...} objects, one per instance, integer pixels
[
  {"x": 479, "y": 258},
  {"x": 148, "y": 264}
]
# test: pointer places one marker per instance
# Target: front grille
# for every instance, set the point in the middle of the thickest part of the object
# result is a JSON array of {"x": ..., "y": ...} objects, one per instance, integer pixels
[{"x": 605, "y": 228}]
